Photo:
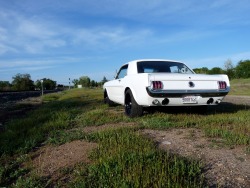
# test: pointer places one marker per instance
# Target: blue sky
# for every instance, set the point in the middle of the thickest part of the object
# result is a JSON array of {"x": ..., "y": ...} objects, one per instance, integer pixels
[{"x": 59, "y": 39}]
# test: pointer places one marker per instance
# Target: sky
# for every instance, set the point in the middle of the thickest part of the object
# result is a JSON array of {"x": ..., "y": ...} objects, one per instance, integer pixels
[{"x": 63, "y": 40}]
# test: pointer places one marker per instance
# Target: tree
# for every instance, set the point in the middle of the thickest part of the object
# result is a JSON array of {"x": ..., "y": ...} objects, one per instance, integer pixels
[
  {"x": 93, "y": 83},
  {"x": 38, "y": 84},
  {"x": 104, "y": 80},
  {"x": 229, "y": 69},
  {"x": 216, "y": 70},
  {"x": 48, "y": 84},
  {"x": 243, "y": 69},
  {"x": 22, "y": 82},
  {"x": 203, "y": 70},
  {"x": 60, "y": 86},
  {"x": 5, "y": 86},
  {"x": 75, "y": 82},
  {"x": 84, "y": 81}
]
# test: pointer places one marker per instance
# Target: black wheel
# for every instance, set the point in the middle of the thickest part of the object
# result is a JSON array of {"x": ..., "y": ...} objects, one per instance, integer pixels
[
  {"x": 132, "y": 109},
  {"x": 107, "y": 100}
]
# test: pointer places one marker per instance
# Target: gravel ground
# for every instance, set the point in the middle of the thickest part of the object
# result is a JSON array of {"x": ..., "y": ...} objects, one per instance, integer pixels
[{"x": 244, "y": 100}]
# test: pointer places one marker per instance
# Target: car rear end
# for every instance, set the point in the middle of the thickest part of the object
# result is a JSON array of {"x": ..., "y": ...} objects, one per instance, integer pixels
[{"x": 186, "y": 89}]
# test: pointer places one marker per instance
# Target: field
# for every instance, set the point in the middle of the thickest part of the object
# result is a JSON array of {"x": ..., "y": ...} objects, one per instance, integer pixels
[
  {"x": 72, "y": 139},
  {"x": 240, "y": 87}
]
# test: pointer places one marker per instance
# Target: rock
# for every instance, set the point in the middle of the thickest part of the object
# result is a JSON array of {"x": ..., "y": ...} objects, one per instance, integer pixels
[{"x": 166, "y": 143}]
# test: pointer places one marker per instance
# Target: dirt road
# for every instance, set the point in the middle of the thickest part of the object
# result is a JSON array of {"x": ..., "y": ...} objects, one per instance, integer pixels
[{"x": 244, "y": 100}]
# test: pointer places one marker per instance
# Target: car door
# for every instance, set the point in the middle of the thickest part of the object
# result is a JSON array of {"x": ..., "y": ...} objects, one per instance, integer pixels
[{"x": 118, "y": 85}]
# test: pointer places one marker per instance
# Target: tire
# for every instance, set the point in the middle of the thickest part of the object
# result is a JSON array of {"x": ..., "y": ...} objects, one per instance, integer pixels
[
  {"x": 132, "y": 109},
  {"x": 107, "y": 100}
]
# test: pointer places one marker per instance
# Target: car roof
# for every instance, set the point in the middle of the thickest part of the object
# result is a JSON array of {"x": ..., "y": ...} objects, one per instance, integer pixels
[
  {"x": 133, "y": 64},
  {"x": 139, "y": 60}
]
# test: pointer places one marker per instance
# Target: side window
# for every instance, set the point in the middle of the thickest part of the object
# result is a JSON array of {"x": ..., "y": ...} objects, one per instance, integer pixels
[
  {"x": 122, "y": 72},
  {"x": 174, "y": 69},
  {"x": 180, "y": 69}
]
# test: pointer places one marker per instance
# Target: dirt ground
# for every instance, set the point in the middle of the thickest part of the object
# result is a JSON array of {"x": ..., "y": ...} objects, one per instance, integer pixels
[
  {"x": 224, "y": 167},
  {"x": 244, "y": 100},
  {"x": 51, "y": 161}
]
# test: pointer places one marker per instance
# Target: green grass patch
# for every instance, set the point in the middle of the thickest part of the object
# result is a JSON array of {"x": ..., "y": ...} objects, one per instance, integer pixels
[
  {"x": 59, "y": 137},
  {"x": 240, "y": 87},
  {"x": 125, "y": 159},
  {"x": 101, "y": 116},
  {"x": 156, "y": 121},
  {"x": 50, "y": 97}
]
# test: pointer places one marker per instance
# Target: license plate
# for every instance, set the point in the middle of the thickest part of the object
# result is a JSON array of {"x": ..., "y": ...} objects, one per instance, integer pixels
[{"x": 190, "y": 99}]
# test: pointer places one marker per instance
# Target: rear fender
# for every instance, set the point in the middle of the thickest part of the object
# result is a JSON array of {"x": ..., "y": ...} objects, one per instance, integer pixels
[{"x": 136, "y": 95}]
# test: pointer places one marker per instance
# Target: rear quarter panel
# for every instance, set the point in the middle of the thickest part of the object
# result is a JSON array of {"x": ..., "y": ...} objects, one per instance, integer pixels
[{"x": 137, "y": 83}]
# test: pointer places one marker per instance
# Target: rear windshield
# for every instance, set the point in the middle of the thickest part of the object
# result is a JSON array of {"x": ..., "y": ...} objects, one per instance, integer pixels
[{"x": 162, "y": 66}]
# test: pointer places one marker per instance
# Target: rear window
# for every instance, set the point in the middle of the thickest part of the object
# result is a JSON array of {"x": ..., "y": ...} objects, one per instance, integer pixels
[{"x": 162, "y": 67}]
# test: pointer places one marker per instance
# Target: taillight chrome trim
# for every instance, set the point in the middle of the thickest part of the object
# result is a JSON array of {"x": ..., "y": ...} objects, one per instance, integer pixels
[
  {"x": 156, "y": 85},
  {"x": 222, "y": 85}
]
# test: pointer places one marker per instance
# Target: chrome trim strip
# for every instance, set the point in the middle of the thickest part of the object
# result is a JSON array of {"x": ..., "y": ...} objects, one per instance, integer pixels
[{"x": 180, "y": 93}]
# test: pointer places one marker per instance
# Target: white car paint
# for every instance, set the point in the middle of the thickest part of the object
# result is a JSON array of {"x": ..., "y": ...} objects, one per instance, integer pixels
[{"x": 176, "y": 86}]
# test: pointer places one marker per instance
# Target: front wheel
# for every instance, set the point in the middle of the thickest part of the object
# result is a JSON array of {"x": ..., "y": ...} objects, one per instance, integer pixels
[{"x": 132, "y": 109}]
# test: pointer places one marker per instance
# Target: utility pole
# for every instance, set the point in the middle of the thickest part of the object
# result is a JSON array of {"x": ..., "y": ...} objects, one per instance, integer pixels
[
  {"x": 69, "y": 83},
  {"x": 42, "y": 86}
]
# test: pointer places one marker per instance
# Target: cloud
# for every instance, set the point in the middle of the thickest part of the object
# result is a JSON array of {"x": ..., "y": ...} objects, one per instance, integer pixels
[
  {"x": 42, "y": 63},
  {"x": 5, "y": 48},
  {"x": 35, "y": 35},
  {"x": 22, "y": 34},
  {"x": 38, "y": 37},
  {"x": 186, "y": 35},
  {"x": 158, "y": 11},
  {"x": 26, "y": 69},
  {"x": 32, "y": 64},
  {"x": 34, "y": 29},
  {"x": 192, "y": 12},
  {"x": 103, "y": 36}
]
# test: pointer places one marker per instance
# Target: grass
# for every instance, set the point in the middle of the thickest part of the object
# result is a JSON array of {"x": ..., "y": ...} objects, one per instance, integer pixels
[
  {"x": 240, "y": 87},
  {"x": 123, "y": 158}
]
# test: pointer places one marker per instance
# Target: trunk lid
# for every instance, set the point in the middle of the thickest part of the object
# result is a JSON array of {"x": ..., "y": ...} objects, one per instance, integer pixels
[{"x": 175, "y": 81}]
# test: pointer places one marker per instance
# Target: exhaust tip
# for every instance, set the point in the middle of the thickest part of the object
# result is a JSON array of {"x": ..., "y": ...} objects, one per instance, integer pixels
[
  {"x": 210, "y": 101},
  {"x": 165, "y": 101},
  {"x": 156, "y": 102},
  {"x": 218, "y": 102}
]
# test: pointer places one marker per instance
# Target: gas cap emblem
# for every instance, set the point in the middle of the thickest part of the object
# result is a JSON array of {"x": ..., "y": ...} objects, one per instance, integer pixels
[{"x": 191, "y": 84}]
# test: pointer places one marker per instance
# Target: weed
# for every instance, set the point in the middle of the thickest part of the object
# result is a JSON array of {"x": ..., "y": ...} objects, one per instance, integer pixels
[
  {"x": 240, "y": 87},
  {"x": 157, "y": 121},
  {"x": 125, "y": 159},
  {"x": 60, "y": 137},
  {"x": 30, "y": 182}
]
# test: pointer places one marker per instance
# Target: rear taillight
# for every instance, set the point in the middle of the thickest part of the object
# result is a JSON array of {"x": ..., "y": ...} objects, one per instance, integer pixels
[
  {"x": 222, "y": 85},
  {"x": 156, "y": 85}
]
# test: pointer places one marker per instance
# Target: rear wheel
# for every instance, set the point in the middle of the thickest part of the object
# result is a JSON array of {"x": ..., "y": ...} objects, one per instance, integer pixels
[{"x": 132, "y": 109}]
